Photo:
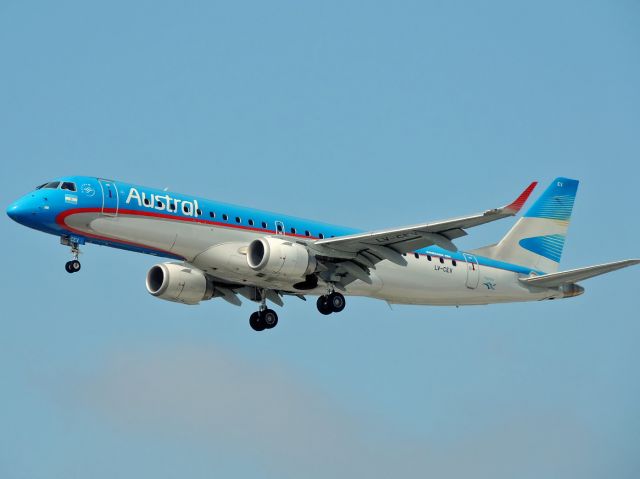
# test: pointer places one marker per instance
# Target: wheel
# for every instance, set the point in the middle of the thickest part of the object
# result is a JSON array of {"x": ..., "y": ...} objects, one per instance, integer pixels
[
  {"x": 337, "y": 302},
  {"x": 269, "y": 318},
  {"x": 75, "y": 266},
  {"x": 67, "y": 267},
  {"x": 255, "y": 321},
  {"x": 324, "y": 306}
]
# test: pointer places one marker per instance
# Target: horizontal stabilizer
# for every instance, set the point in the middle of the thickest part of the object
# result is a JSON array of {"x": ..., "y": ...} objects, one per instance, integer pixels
[{"x": 553, "y": 280}]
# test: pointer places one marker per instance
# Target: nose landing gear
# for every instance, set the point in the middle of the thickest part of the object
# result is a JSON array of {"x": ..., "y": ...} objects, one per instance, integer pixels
[{"x": 72, "y": 266}]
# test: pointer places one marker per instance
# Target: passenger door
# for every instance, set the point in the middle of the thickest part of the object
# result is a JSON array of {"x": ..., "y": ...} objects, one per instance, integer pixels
[
  {"x": 110, "y": 198},
  {"x": 473, "y": 271}
]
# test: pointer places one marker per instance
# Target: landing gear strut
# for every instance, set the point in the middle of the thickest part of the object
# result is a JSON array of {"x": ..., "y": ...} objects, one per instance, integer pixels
[
  {"x": 264, "y": 318},
  {"x": 331, "y": 303}
]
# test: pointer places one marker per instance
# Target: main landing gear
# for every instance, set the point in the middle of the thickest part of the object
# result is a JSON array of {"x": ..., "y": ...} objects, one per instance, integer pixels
[
  {"x": 264, "y": 318},
  {"x": 73, "y": 266},
  {"x": 331, "y": 303}
]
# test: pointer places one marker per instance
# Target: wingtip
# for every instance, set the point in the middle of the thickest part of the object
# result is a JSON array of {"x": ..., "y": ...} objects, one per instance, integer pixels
[{"x": 522, "y": 199}]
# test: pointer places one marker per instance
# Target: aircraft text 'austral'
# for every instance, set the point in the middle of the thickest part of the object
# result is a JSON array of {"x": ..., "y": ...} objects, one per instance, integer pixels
[{"x": 163, "y": 202}]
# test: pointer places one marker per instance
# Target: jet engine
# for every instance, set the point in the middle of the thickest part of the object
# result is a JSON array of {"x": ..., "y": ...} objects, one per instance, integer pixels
[
  {"x": 280, "y": 257},
  {"x": 179, "y": 283}
]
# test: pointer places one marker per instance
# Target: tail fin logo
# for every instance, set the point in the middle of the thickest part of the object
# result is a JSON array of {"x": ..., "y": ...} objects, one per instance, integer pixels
[
  {"x": 548, "y": 246},
  {"x": 556, "y": 203}
]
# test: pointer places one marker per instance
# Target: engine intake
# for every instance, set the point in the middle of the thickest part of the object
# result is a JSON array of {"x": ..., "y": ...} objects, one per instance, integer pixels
[
  {"x": 178, "y": 283},
  {"x": 280, "y": 257}
]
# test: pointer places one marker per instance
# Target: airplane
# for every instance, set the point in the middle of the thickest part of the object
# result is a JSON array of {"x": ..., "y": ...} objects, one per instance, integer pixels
[{"x": 226, "y": 251}]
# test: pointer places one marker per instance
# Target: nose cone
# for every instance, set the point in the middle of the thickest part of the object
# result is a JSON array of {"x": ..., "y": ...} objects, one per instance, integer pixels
[
  {"x": 22, "y": 211},
  {"x": 15, "y": 211}
]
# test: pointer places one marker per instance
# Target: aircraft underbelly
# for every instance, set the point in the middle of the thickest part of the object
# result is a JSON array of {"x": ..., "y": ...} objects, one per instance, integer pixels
[{"x": 420, "y": 282}]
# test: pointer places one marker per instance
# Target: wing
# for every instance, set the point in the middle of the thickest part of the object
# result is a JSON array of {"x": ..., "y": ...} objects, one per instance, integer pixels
[
  {"x": 347, "y": 258},
  {"x": 389, "y": 244}
]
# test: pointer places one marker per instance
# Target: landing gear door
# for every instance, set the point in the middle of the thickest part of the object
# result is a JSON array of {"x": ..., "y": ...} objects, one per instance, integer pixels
[
  {"x": 110, "y": 198},
  {"x": 473, "y": 271}
]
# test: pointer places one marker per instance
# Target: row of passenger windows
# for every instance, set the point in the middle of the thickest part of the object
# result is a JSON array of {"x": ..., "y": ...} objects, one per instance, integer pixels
[
  {"x": 263, "y": 224},
  {"x": 53, "y": 185},
  {"x": 429, "y": 258},
  {"x": 225, "y": 217}
]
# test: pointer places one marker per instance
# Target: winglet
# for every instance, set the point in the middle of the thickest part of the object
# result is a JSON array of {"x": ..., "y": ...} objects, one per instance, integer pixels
[{"x": 522, "y": 199}]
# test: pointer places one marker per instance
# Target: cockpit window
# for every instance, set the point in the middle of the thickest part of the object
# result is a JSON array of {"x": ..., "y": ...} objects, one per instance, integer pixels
[
  {"x": 67, "y": 185},
  {"x": 41, "y": 186},
  {"x": 52, "y": 185}
]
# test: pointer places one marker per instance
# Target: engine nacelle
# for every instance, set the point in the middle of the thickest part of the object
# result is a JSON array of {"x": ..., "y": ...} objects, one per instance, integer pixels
[
  {"x": 179, "y": 283},
  {"x": 280, "y": 257}
]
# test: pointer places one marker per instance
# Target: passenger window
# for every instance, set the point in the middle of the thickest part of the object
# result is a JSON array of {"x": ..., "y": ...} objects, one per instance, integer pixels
[
  {"x": 159, "y": 204},
  {"x": 250, "y": 222},
  {"x": 225, "y": 217},
  {"x": 186, "y": 208},
  {"x": 293, "y": 230},
  {"x": 147, "y": 202},
  {"x": 238, "y": 219},
  {"x": 67, "y": 185},
  {"x": 429, "y": 257},
  {"x": 453, "y": 262},
  {"x": 321, "y": 236},
  {"x": 212, "y": 214},
  {"x": 264, "y": 225},
  {"x": 441, "y": 259},
  {"x": 416, "y": 255},
  {"x": 198, "y": 211},
  {"x": 172, "y": 207},
  {"x": 307, "y": 233},
  {"x": 279, "y": 227}
]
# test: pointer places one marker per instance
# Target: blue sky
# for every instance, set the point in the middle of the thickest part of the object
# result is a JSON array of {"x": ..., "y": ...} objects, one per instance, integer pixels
[{"x": 357, "y": 113}]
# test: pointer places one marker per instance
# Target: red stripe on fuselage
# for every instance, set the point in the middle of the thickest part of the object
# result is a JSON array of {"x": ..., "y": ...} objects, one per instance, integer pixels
[
  {"x": 60, "y": 220},
  {"x": 153, "y": 214}
]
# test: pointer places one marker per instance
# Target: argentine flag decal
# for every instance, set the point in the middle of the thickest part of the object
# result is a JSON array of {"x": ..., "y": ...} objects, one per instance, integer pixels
[{"x": 73, "y": 199}]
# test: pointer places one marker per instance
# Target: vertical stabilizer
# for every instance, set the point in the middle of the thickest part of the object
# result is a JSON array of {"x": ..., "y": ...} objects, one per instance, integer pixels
[{"x": 537, "y": 239}]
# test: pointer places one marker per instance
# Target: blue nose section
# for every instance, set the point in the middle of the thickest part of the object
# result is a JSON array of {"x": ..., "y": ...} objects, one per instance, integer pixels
[
  {"x": 24, "y": 211},
  {"x": 17, "y": 211}
]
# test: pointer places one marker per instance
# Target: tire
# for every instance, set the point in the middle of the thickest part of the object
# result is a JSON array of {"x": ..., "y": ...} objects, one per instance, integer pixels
[
  {"x": 269, "y": 318},
  {"x": 67, "y": 267},
  {"x": 75, "y": 266},
  {"x": 337, "y": 302},
  {"x": 324, "y": 306},
  {"x": 256, "y": 323}
]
